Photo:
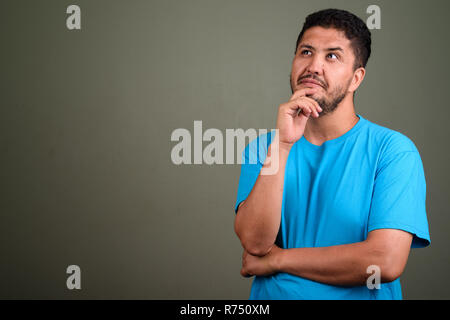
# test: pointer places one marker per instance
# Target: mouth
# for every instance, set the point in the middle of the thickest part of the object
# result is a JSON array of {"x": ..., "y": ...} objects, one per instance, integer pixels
[{"x": 311, "y": 83}]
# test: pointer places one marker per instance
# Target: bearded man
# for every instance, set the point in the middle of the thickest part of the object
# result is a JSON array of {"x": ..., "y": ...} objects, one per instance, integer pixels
[{"x": 348, "y": 198}]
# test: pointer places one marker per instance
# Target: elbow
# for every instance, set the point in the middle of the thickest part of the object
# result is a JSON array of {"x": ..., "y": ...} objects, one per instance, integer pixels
[
  {"x": 389, "y": 260},
  {"x": 390, "y": 273},
  {"x": 250, "y": 242},
  {"x": 257, "y": 249},
  {"x": 391, "y": 269}
]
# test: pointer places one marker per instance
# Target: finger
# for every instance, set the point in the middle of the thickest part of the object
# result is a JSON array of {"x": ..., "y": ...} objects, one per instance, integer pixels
[
  {"x": 293, "y": 108},
  {"x": 302, "y": 106},
  {"x": 302, "y": 93},
  {"x": 305, "y": 110},
  {"x": 245, "y": 274},
  {"x": 314, "y": 111},
  {"x": 312, "y": 104},
  {"x": 315, "y": 103},
  {"x": 301, "y": 120}
]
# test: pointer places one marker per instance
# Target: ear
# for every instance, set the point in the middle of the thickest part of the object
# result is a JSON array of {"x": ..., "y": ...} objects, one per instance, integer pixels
[{"x": 358, "y": 76}]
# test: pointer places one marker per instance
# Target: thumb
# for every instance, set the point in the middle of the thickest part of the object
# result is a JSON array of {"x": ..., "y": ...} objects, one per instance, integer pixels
[{"x": 300, "y": 120}]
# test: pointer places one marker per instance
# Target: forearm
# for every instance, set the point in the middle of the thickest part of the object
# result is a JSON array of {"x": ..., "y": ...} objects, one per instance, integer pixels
[
  {"x": 258, "y": 219},
  {"x": 344, "y": 265}
]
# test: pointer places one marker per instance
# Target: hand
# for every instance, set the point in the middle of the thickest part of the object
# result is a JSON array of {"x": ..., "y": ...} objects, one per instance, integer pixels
[
  {"x": 260, "y": 266},
  {"x": 290, "y": 123}
]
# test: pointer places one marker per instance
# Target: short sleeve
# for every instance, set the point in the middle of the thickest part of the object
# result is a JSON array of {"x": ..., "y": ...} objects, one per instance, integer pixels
[
  {"x": 399, "y": 195},
  {"x": 253, "y": 158}
]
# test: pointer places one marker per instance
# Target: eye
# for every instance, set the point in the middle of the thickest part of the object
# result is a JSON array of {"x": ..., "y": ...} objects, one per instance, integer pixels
[
  {"x": 336, "y": 57},
  {"x": 304, "y": 52}
]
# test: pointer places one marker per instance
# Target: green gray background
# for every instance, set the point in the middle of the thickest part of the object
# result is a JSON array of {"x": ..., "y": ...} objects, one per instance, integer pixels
[{"x": 86, "y": 118}]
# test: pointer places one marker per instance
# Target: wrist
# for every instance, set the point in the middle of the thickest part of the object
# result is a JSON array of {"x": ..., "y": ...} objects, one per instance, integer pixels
[
  {"x": 279, "y": 151},
  {"x": 278, "y": 259},
  {"x": 285, "y": 146}
]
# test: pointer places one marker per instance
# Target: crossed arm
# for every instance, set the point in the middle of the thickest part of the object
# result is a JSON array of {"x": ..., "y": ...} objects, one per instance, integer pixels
[
  {"x": 344, "y": 265},
  {"x": 257, "y": 223}
]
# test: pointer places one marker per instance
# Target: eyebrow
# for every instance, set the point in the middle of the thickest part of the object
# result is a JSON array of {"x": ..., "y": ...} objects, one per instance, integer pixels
[{"x": 328, "y": 49}]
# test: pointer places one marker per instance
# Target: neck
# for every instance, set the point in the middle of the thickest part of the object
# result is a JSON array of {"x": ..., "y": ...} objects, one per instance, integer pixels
[{"x": 332, "y": 125}]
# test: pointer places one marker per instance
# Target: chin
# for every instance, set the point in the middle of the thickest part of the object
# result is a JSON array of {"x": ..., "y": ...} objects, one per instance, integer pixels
[{"x": 315, "y": 96}]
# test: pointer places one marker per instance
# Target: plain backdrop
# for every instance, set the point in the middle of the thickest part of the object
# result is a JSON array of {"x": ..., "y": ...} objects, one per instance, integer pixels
[{"x": 86, "y": 118}]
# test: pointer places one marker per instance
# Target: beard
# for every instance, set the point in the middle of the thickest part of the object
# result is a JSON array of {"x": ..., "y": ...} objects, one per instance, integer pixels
[{"x": 330, "y": 101}]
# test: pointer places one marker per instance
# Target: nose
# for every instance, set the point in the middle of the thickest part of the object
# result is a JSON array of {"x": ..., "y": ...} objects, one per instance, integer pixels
[{"x": 315, "y": 65}]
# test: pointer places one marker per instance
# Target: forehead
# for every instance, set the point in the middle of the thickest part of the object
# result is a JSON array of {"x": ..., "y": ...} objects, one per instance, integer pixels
[{"x": 322, "y": 38}]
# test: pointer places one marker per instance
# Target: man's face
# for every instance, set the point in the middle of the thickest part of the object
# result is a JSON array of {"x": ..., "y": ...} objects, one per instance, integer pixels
[{"x": 323, "y": 56}]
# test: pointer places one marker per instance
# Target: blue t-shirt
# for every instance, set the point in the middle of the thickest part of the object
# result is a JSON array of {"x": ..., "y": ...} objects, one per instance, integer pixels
[{"x": 369, "y": 178}]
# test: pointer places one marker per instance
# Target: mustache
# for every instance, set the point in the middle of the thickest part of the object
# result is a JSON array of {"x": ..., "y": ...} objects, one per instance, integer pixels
[{"x": 314, "y": 77}]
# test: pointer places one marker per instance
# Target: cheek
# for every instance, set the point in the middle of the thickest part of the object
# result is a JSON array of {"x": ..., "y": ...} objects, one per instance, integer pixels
[
  {"x": 297, "y": 68},
  {"x": 336, "y": 79}
]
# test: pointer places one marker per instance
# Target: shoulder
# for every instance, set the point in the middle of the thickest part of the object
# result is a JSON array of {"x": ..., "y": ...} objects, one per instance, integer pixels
[
  {"x": 258, "y": 146},
  {"x": 388, "y": 140},
  {"x": 393, "y": 148}
]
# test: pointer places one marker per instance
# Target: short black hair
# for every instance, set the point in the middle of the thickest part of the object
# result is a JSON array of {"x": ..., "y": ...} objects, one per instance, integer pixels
[{"x": 354, "y": 28}]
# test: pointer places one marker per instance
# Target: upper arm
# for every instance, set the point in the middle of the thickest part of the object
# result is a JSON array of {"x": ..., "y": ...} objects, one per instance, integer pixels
[
  {"x": 399, "y": 192},
  {"x": 253, "y": 158},
  {"x": 236, "y": 219},
  {"x": 394, "y": 246}
]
